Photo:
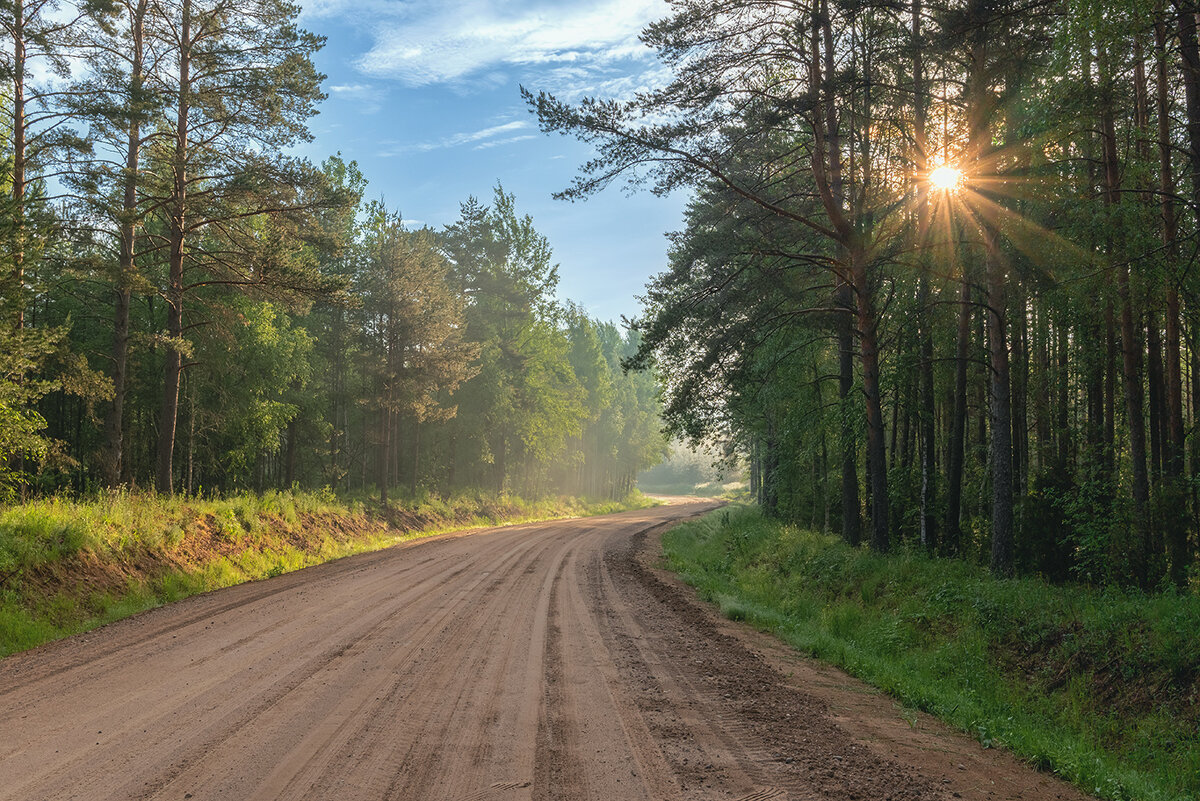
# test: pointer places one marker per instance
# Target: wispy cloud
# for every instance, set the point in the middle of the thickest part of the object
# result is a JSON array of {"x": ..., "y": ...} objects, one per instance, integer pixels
[
  {"x": 510, "y": 140},
  {"x": 425, "y": 42},
  {"x": 369, "y": 97},
  {"x": 571, "y": 84},
  {"x": 492, "y": 136},
  {"x": 319, "y": 9},
  {"x": 476, "y": 136}
]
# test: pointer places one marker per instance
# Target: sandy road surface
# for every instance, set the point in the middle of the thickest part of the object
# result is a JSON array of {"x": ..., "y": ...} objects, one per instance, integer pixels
[{"x": 546, "y": 661}]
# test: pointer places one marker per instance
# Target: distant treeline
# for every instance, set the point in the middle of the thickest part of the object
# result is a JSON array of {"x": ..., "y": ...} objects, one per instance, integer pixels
[
  {"x": 940, "y": 276},
  {"x": 186, "y": 307}
]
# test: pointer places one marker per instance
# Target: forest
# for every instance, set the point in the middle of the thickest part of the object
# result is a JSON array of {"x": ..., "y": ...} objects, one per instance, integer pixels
[
  {"x": 934, "y": 297},
  {"x": 189, "y": 308},
  {"x": 938, "y": 275}
]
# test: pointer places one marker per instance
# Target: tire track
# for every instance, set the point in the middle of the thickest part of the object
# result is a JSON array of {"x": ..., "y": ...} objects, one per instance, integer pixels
[{"x": 526, "y": 663}]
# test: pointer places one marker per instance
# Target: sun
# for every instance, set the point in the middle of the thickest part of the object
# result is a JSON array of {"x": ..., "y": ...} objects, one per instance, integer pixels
[{"x": 946, "y": 178}]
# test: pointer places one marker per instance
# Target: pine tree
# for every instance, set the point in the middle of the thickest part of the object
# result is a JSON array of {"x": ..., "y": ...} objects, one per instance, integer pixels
[{"x": 239, "y": 87}]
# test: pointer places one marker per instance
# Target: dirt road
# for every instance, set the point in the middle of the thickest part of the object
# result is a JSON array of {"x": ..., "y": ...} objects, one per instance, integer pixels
[{"x": 546, "y": 661}]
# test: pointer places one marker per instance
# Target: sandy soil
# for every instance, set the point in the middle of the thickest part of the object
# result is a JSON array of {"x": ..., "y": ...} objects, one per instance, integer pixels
[{"x": 528, "y": 663}]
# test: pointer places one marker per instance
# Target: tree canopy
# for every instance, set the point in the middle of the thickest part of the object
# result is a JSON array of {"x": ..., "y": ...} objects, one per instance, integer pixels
[{"x": 191, "y": 307}]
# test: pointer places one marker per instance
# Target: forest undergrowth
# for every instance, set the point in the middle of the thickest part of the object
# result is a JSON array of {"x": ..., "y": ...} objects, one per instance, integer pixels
[
  {"x": 68, "y": 566},
  {"x": 1100, "y": 686}
]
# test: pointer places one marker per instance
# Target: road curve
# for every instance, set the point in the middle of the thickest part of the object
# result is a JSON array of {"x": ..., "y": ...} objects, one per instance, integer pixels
[{"x": 523, "y": 663}]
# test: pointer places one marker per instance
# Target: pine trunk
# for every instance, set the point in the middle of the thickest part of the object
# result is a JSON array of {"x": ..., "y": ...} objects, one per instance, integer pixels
[
  {"x": 1131, "y": 350},
  {"x": 956, "y": 452},
  {"x": 114, "y": 424},
  {"x": 19, "y": 162},
  {"x": 851, "y": 512},
  {"x": 174, "y": 367},
  {"x": 1001, "y": 412},
  {"x": 1175, "y": 523},
  {"x": 1189, "y": 49},
  {"x": 876, "y": 447}
]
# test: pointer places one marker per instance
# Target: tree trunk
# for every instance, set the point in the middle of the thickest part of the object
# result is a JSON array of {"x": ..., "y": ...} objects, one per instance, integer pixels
[
  {"x": 824, "y": 480},
  {"x": 114, "y": 421},
  {"x": 956, "y": 452},
  {"x": 289, "y": 460},
  {"x": 1131, "y": 346},
  {"x": 1175, "y": 524},
  {"x": 19, "y": 162},
  {"x": 754, "y": 466},
  {"x": 1156, "y": 382},
  {"x": 174, "y": 366},
  {"x": 1194, "y": 441},
  {"x": 827, "y": 131},
  {"x": 928, "y": 428},
  {"x": 876, "y": 448},
  {"x": 1132, "y": 374},
  {"x": 851, "y": 514},
  {"x": 191, "y": 461},
  {"x": 416, "y": 459},
  {"x": 981, "y": 102},
  {"x": 385, "y": 454},
  {"x": 1110, "y": 396},
  {"x": 1001, "y": 412},
  {"x": 1020, "y": 389},
  {"x": 114, "y": 424},
  {"x": 1042, "y": 401},
  {"x": 898, "y": 433},
  {"x": 1189, "y": 49},
  {"x": 501, "y": 468},
  {"x": 770, "y": 495},
  {"x": 1154, "y": 354}
]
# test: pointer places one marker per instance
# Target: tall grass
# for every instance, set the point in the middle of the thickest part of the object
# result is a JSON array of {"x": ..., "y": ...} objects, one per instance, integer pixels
[{"x": 1099, "y": 686}]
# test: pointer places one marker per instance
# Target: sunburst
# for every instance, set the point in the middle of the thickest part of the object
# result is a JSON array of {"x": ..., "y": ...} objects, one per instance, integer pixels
[{"x": 946, "y": 178}]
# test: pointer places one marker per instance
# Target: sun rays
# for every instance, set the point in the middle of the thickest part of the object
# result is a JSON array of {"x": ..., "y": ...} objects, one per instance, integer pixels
[{"x": 946, "y": 178}]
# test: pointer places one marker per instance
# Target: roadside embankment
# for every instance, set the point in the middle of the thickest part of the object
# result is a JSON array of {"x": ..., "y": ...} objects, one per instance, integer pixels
[
  {"x": 67, "y": 566},
  {"x": 1100, "y": 686}
]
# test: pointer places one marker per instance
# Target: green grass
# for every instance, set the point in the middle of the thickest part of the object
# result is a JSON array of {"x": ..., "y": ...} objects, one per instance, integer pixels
[
  {"x": 67, "y": 566},
  {"x": 1101, "y": 687}
]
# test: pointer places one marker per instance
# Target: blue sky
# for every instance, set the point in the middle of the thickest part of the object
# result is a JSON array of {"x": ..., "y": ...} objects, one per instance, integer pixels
[{"x": 424, "y": 96}]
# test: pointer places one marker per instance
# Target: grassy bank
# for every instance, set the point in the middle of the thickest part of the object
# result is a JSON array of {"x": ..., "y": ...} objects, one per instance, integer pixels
[
  {"x": 67, "y": 566},
  {"x": 1099, "y": 686}
]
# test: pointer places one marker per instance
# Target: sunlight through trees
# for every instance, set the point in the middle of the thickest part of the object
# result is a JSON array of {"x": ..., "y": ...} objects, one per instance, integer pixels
[{"x": 939, "y": 268}]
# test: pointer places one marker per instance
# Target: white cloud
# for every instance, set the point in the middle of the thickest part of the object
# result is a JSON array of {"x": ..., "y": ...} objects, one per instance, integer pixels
[
  {"x": 369, "y": 97},
  {"x": 354, "y": 91},
  {"x": 319, "y": 9},
  {"x": 493, "y": 136},
  {"x": 424, "y": 42},
  {"x": 476, "y": 136},
  {"x": 572, "y": 85},
  {"x": 510, "y": 140}
]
